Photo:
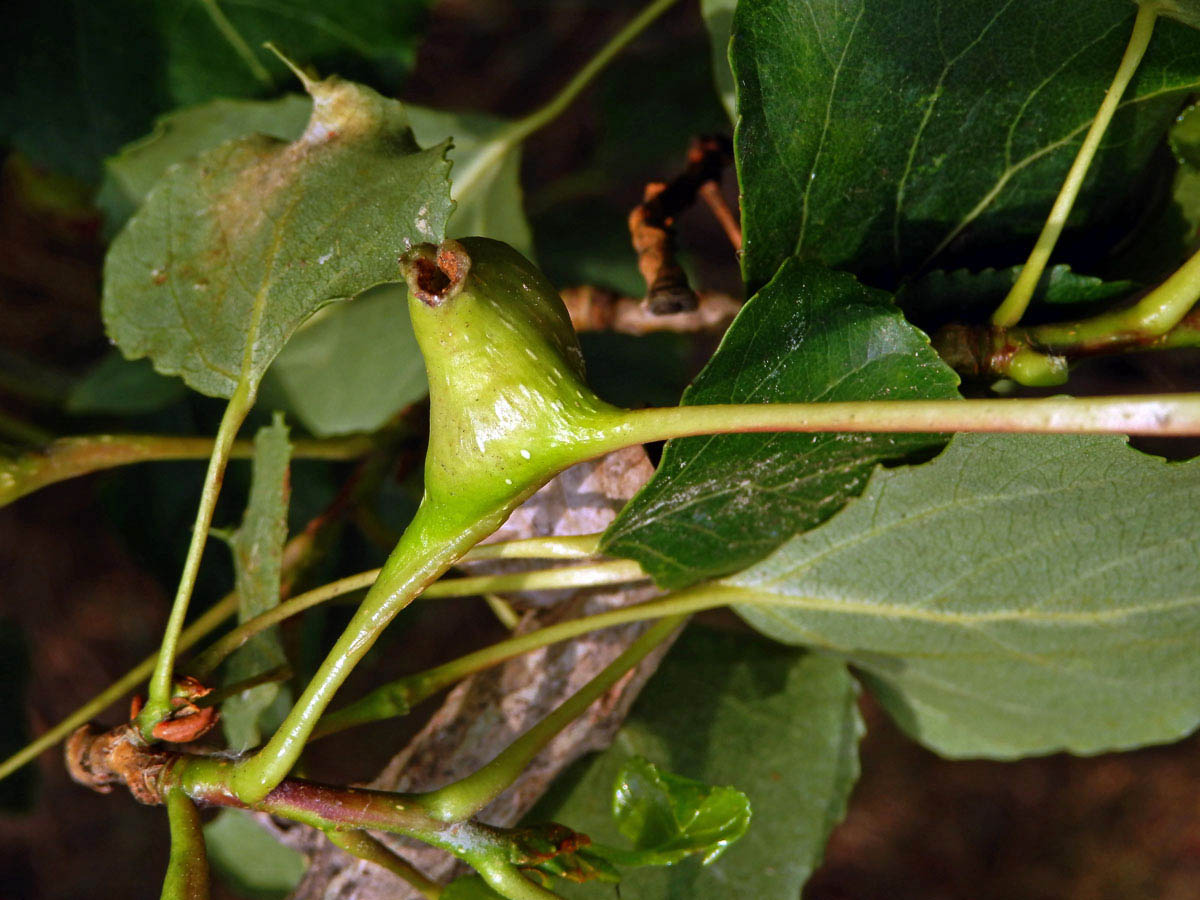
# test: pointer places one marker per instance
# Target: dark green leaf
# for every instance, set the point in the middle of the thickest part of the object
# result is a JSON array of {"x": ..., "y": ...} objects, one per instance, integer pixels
[
  {"x": 234, "y": 250},
  {"x": 1170, "y": 232},
  {"x": 717, "y": 504},
  {"x": 1017, "y": 595},
  {"x": 975, "y": 294},
  {"x": 779, "y": 725},
  {"x": 93, "y": 75},
  {"x": 205, "y": 60},
  {"x": 257, "y": 563},
  {"x": 669, "y": 818},
  {"x": 875, "y": 134},
  {"x": 249, "y": 860},
  {"x": 118, "y": 386},
  {"x": 77, "y": 91}
]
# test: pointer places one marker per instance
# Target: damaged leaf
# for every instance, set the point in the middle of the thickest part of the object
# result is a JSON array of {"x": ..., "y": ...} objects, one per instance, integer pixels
[{"x": 234, "y": 249}]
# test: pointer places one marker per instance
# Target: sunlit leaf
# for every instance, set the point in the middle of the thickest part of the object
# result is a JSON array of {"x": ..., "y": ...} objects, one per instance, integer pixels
[
  {"x": 668, "y": 817},
  {"x": 875, "y": 135},
  {"x": 717, "y": 504}
]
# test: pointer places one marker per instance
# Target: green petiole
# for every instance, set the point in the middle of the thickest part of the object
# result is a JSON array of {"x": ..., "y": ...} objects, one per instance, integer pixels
[
  {"x": 158, "y": 705},
  {"x": 1010, "y": 311},
  {"x": 461, "y": 800}
]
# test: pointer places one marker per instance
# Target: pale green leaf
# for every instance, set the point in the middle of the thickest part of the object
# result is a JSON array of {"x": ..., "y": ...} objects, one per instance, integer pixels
[
  {"x": 485, "y": 177},
  {"x": 233, "y": 250},
  {"x": 718, "y": 16},
  {"x": 1186, "y": 11},
  {"x": 485, "y": 172},
  {"x": 118, "y": 386},
  {"x": 874, "y": 134},
  {"x": 717, "y": 504},
  {"x": 1017, "y": 595},
  {"x": 249, "y": 860},
  {"x": 779, "y": 725},
  {"x": 351, "y": 367},
  {"x": 185, "y": 133},
  {"x": 257, "y": 561}
]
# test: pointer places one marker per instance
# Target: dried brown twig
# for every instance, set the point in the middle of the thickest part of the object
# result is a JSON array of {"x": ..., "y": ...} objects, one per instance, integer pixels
[
  {"x": 596, "y": 309},
  {"x": 651, "y": 223}
]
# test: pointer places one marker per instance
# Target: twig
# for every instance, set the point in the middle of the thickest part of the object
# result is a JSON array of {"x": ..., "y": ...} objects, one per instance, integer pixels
[
  {"x": 651, "y": 223},
  {"x": 595, "y": 309},
  {"x": 710, "y": 193},
  {"x": 297, "y": 554},
  {"x": 1037, "y": 356},
  {"x": 70, "y": 457}
]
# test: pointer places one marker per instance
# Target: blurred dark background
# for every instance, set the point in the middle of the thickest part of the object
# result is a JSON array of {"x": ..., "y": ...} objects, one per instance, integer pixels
[{"x": 86, "y": 567}]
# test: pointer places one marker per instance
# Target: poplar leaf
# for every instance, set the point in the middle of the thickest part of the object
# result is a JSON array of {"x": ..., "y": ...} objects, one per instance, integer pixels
[
  {"x": 258, "y": 560},
  {"x": 235, "y": 248},
  {"x": 876, "y": 135},
  {"x": 668, "y": 817},
  {"x": 720, "y": 503},
  {"x": 1017, "y": 595},
  {"x": 779, "y": 724}
]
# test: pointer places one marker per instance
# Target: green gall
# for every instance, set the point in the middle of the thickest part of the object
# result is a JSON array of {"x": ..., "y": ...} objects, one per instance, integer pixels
[{"x": 509, "y": 405}]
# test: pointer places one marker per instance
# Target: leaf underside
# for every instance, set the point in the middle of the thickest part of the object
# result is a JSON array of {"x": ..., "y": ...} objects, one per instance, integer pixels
[
  {"x": 353, "y": 366},
  {"x": 1017, "y": 595}
]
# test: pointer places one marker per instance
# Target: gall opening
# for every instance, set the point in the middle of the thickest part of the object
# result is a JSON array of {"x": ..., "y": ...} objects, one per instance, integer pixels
[{"x": 436, "y": 274}]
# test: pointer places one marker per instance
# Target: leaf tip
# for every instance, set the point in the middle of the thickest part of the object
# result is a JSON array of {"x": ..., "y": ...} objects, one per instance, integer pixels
[{"x": 305, "y": 80}]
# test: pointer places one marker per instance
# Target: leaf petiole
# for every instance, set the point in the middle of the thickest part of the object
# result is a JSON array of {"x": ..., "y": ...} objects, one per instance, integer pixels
[
  {"x": 610, "y": 572},
  {"x": 69, "y": 457},
  {"x": 1038, "y": 355},
  {"x": 514, "y": 133},
  {"x": 554, "y": 547},
  {"x": 362, "y": 845},
  {"x": 158, "y": 702},
  {"x": 187, "y": 869},
  {"x": 461, "y": 800},
  {"x": 1160, "y": 414},
  {"x": 1013, "y": 307}
]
